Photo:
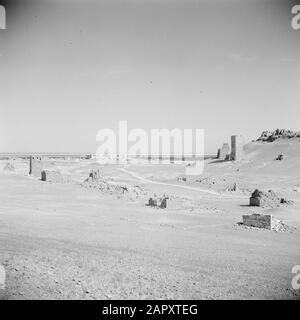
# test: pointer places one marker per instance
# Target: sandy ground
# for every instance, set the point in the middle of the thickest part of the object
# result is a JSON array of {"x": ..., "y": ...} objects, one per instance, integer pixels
[{"x": 63, "y": 241}]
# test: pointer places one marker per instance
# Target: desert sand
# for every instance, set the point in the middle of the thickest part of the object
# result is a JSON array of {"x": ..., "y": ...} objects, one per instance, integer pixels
[{"x": 70, "y": 241}]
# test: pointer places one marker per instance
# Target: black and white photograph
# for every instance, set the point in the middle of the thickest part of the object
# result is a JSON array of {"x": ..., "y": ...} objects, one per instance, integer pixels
[{"x": 149, "y": 150}]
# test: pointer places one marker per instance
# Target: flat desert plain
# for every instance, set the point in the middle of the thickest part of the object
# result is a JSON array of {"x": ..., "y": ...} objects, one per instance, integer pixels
[{"x": 73, "y": 241}]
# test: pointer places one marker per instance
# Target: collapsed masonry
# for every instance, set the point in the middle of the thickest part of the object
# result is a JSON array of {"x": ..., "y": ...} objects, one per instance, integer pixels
[
  {"x": 35, "y": 166},
  {"x": 262, "y": 221},
  {"x": 224, "y": 152},
  {"x": 159, "y": 202},
  {"x": 266, "y": 199},
  {"x": 108, "y": 186},
  {"x": 280, "y": 157}
]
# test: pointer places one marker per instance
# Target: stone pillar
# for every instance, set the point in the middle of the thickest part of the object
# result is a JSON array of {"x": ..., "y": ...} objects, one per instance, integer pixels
[{"x": 237, "y": 147}]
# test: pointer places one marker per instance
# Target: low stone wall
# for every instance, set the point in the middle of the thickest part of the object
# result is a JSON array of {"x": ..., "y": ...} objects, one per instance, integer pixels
[
  {"x": 52, "y": 176},
  {"x": 260, "y": 221}
]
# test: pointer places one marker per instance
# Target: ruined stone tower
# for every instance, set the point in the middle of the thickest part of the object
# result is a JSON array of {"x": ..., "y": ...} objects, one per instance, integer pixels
[
  {"x": 237, "y": 147},
  {"x": 35, "y": 166}
]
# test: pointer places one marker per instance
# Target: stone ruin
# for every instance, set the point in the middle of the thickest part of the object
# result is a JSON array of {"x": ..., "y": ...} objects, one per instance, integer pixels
[
  {"x": 9, "y": 166},
  {"x": 236, "y": 152},
  {"x": 262, "y": 221},
  {"x": 95, "y": 175},
  {"x": 224, "y": 151},
  {"x": 266, "y": 199},
  {"x": 159, "y": 202},
  {"x": 35, "y": 166},
  {"x": 97, "y": 181},
  {"x": 237, "y": 148},
  {"x": 52, "y": 176}
]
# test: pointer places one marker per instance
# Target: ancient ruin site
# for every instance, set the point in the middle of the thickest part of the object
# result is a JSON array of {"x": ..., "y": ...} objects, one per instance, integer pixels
[
  {"x": 72, "y": 228},
  {"x": 149, "y": 157}
]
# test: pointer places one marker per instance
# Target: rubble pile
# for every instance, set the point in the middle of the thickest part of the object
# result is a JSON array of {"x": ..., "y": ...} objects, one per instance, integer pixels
[
  {"x": 107, "y": 186},
  {"x": 159, "y": 202},
  {"x": 266, "y": 199}
]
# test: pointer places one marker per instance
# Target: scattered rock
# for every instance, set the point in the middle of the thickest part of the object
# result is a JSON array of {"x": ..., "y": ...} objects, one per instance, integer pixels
[
  {"x": 160, "y": 202},
  {"x": 285, "y": 201},
  {"x": 280, "y": 157}
]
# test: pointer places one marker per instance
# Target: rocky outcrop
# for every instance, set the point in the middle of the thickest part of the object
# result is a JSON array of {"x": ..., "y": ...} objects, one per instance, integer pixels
[
  {"x": 224, "y": 152},
  {"x": 270, "y": 136}
]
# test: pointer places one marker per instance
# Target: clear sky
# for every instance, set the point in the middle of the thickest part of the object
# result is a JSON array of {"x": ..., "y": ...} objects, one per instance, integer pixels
[{"x": 71, "y": 67}]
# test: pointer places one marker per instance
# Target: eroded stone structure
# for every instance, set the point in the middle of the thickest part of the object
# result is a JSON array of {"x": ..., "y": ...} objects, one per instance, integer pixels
[
  {"x": 261, "y": 221},
  {"x": 224, "y": 152},
  {"x": 237, "y": 147},
  {"x": 264, "y": 199},
  {"x": 161, "y": 202},
  {"x": 35, "y": 166}
]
